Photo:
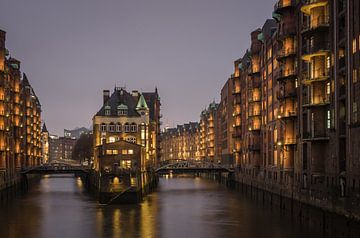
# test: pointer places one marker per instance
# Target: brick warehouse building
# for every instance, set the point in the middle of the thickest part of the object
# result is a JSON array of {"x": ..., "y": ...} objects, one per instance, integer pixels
[
  {"x": 298, "y": 84},
  {"x": 181, "y": 142},
  {"x": 20, "y": 122}
]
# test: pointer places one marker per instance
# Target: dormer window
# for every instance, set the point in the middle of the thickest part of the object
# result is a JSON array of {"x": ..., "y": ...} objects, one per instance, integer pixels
[
  {"x": 107, "y": 110},
  {"x": 122, "y": 110}
]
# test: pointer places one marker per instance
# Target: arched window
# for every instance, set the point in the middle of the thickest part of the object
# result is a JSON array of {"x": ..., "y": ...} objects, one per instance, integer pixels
[
  {"x": 107, "y": 110},
  {"x": 111, "y": 127},
  {"x": 127, "y": 127},
  {"x": 118, "y": 127},
  {"x": 103, "y": 127},
  {"x": 133, "y": 127}
]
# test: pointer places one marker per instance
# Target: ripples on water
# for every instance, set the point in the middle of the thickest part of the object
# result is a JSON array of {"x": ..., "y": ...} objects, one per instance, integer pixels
[{"x": 181, "y": 207}]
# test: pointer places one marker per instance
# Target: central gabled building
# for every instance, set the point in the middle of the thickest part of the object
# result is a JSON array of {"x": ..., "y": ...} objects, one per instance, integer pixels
[{"x": 125, "y": 139}]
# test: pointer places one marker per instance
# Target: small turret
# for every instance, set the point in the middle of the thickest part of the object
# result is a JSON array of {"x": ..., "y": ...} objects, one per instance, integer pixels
[{"x": 142, "y": 105}]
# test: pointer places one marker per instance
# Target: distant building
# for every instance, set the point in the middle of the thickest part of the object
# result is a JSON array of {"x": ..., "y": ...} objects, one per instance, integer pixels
[
  {"x": 181, "y": 142},
  {"x": 61, "y": 148},
  {"x": 45, "y": 144},
  {"x": 207, "y": 132},
  {"x": 76, "y": 133}
]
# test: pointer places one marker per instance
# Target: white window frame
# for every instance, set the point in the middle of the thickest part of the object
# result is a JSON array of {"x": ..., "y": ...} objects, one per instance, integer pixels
[
  {"x": 103, "y": 127},
  {"x": 118, "y": 127},
  {"x": 133, "y": 128}
]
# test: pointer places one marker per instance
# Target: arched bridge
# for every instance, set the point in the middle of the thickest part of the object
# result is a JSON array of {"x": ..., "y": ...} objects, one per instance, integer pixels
[
  {"x": 57, "y": 168},
  {"x": 191, "y": 166}
]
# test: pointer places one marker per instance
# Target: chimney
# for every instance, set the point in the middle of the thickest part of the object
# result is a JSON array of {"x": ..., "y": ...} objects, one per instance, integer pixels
[
  {"x": 135, "y": 93},
  {"x": 106, "y": 94},
  {"x": 2, "y": 50}
]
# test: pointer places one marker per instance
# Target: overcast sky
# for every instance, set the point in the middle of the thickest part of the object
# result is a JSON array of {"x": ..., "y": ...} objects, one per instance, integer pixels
[{"x": 73, "y": 49}]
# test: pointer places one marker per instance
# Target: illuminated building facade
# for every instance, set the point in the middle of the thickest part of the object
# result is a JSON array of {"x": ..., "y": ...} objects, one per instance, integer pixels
[
  {"x": 125, "y": 133},
  {"x": 208, "y": 126},
  {"x": 181, "y": 142},
  {"x": 20, "y": 122},
  {"x": 45, "y": 136},
  {"x": 296, "y": 103}
]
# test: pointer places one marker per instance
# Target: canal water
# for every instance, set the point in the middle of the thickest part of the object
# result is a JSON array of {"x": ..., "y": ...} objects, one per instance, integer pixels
[{"x": 183, "y": 207}]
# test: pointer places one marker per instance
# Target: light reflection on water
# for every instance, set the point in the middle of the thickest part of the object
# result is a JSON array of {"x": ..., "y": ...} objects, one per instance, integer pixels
[{"x": 181, "y": 207}]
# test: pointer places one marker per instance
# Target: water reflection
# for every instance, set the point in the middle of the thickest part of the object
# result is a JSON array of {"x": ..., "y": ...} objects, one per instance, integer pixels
[{"x": 182, "y": 207}]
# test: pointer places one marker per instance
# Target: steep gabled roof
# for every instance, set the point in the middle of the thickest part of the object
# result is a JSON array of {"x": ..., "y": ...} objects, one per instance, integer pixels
[
  {"x": 44, "y": 129},
  {"x": 120, "y": 98},
  {"x": 141, "y": 105}
]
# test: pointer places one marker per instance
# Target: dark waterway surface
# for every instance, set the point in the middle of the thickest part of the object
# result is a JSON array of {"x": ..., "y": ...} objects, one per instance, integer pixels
[{"x": 181, "y": 207}]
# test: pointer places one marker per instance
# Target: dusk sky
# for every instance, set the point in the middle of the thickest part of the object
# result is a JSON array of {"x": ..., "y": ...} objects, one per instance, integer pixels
[{"x": 73, "y": 49}]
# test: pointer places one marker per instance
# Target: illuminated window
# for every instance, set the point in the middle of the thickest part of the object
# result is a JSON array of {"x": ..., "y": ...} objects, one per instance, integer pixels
[
  {"x": 130, "y": 152},
  {"x": 354, "y": 46},
  {"x": 328, "y": 88},
  {"x": 355, "y": 75},
  {"x": 111, "y": 139},
  {"x": 328, "y": 119},
  {"x": 328, "y": 62},
  {"x": 355, "y": 112}
]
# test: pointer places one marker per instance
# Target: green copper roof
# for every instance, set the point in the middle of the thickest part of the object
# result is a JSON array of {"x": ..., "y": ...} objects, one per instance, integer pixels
[
  {"x": 276, "y": 16},
  {"x": 261, "y": 37},
  {"x": 141, "y": 103}
]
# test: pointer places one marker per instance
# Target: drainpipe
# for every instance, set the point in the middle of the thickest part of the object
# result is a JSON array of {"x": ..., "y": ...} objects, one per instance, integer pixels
[{"x": 349, "y": 78}]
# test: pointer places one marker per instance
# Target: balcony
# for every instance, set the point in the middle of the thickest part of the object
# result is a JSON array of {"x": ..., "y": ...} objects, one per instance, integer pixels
[
  {"x": 311, "y": 4},
  {"x": 290, "y": 141},
  {"x": 317, "y": 101},
  {"x": 318, "y": 24},
  {"x": 285, "y": 53},
  {"x": 316, "y": 136},
  {"x": 287, "y": 141},
  {"x": 284, "y": 94},
  {"x": 254, "y": 71},
  {"x": 286, "y": 74},
  {"x": 254, "y": 113},
  {"x": 254, "y": 127},
  {"x": 321, "y": 49},
  {"x": 236, "y": 91},
  {"x": 254, "y": 99},
  {"x": 286, "y": 31},
  {"x": 318, "y": 75},
  {"x": 254, "y": 83},
  {"x": 287, "y": 115},
  {"x": 283, "y": 5}
]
